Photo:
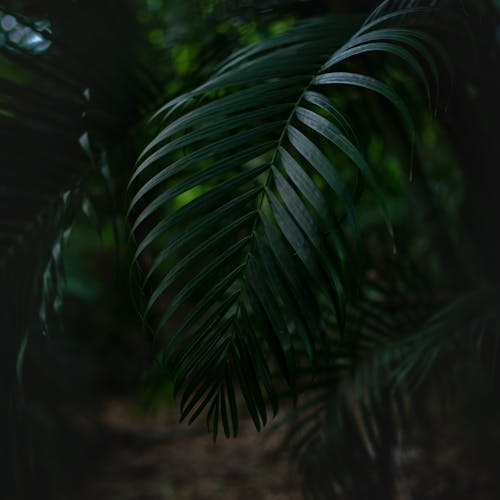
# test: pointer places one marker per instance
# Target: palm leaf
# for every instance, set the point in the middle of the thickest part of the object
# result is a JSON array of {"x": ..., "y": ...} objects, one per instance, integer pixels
[
  {"x": 391, "y": 360},
  {"x": 239, "y": 199},
  {"x": 56, "y": 130},
  {"x": 60, "y": 112}
]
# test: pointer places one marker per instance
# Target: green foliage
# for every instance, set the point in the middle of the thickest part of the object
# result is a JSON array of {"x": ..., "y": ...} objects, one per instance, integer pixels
[
  {"x": 277, "y": 209},
  {"x": 272, "y": 232}
]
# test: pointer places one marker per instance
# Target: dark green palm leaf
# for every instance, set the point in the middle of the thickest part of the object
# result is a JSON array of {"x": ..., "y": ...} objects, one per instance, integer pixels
[
  {"x": 239, "y": 199},
  {"x": 382, "y": 371},
  {"x": 60, "y": 111}
]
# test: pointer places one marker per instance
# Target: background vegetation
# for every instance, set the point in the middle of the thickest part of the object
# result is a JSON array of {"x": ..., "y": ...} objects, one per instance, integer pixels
[{"x": 394, "y": 351}]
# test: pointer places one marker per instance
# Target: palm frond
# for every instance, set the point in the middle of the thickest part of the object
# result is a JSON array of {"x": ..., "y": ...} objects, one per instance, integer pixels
[
  {"x": 351, "y": 414},
  {"x": 57, "y": 120},
  {"x": 250, "y": 221},
  {"x": 59, "y": 112}
]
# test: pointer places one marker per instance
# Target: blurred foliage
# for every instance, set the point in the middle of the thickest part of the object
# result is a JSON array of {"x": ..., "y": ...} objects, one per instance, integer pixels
[{"x": 78, "y": 83}]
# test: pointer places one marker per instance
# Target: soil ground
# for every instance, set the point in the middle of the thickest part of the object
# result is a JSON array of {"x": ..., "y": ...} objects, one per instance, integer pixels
[{"x": 154, "y": 458}]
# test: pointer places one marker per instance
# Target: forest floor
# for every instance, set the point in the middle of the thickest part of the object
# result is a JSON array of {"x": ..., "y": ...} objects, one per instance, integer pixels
[{"x": 152, "y": 457}]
